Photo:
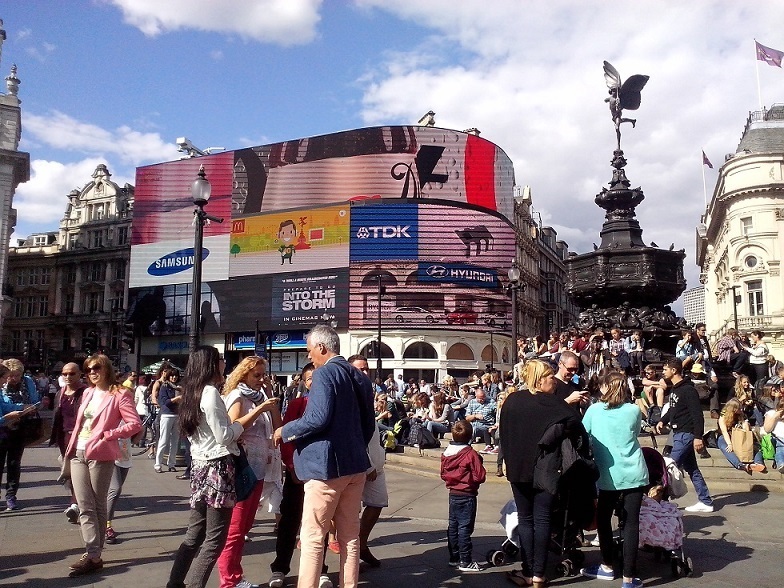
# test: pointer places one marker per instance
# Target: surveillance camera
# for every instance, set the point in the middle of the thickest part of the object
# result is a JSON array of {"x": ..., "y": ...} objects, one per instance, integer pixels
[{"x": 184, "y": 144}]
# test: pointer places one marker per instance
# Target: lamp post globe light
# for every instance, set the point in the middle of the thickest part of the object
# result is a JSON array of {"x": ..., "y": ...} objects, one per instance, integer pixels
[
  {"x": 200, "y": 193},
  {"x": 514, "y": 285}
]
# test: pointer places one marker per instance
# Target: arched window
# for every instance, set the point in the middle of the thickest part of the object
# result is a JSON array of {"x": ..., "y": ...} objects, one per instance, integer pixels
[
  {"x": 487, "y": 352},
  {"x": 411, "y": 279},
  {"x": 371, "y": 279},
  {"x": 420, "y": 350},
  {"x": 369, "y": 351},
  {"x": 460, "y": 351}
]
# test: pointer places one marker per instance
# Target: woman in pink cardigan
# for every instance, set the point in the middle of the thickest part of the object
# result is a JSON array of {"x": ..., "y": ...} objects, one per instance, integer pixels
[{"x": 107, "y": 413}]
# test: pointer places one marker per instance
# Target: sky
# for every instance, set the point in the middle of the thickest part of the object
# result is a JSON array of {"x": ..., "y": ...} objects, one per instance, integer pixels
[{"x": 117, "y": 81}]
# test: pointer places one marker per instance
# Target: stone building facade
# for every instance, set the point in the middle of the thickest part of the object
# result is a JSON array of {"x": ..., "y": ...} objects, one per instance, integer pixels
[
  {"x": 70, "y": 286},
  {"x": 741, "y": 235},
  {"x": 14, "y": 169}
]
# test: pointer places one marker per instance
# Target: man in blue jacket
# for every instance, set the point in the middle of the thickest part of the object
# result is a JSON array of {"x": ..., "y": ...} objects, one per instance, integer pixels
[{"x": 331, "y": 441}]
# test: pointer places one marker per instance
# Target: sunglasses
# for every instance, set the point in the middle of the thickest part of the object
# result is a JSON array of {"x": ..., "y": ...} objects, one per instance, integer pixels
[{"x": 94, "y": 369}]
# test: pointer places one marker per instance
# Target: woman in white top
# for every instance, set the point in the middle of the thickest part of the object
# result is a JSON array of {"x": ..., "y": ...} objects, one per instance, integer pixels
[
  {"x": 758, "y": 357},
  {"x": 205, "y": 420},
  {"x": 774, "y": 424},
  {"x": 248, "y": 389}
]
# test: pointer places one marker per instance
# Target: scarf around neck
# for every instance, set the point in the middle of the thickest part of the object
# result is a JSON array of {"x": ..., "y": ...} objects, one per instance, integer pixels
[{"x": 253, "y": 395}]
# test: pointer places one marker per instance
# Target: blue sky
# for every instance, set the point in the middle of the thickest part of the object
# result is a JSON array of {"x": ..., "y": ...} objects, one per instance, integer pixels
[{"x": 117, "y": 81}]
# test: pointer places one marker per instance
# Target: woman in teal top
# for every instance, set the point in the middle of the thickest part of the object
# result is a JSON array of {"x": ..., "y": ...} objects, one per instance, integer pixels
[{"x": 613, "y": 424}]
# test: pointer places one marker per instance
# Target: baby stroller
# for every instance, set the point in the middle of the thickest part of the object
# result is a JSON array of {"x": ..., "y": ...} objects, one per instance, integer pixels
[
  {"x": 565, "y": 538},
  {"x": 661, "y": 524}
]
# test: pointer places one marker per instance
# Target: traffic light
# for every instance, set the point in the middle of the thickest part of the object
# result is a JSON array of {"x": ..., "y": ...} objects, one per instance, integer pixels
[
  {"x": 129, "y": 335},
  {"x": 26, "y": 347},
  {"x": 90, "y": 343}
]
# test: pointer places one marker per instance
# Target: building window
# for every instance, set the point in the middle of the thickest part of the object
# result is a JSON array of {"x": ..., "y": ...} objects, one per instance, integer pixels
[
  {"x": 68, "y": 304},
  {"x": 40, "y": 339},
  {"x": 20, "y": 278},
  {"x": 39, "y": 240},
  {"x": 16, "y": 341},
  {"x": 754, "y": 290},
  {"x": 31, "y": 305},
  {"x": 35, "y": 276},
  {"x": 19, "y": 307},
  {"x": 70, "y": 274},
  {"x": 73, "y": 239},
  {"x": 96, "y": 238},
  {"x": 96, "y": 272},
  {"x": 46, "y": 275},
  {"x": 92, "y": 302},
  {"x": 98, "y": 212},
  {"x": 119, "y": 269},
  {"x": 43, "y": 305},
  {"x": 122, "y": 235},
  {"x": 116, "y": 302},
  {"x": 746, "y": 225}
]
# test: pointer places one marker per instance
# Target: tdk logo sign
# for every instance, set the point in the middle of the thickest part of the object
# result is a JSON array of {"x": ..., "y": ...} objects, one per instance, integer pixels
[
  {"x": 176, "y": 262},
  {"x": 389, "y": 232}
]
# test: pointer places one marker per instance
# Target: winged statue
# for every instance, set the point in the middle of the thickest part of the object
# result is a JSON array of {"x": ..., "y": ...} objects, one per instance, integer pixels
[{"x": 623, "y": 96}]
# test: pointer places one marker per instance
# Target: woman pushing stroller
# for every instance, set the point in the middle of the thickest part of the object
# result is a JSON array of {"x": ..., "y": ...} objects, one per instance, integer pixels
[{"x": 613, "y": 425}]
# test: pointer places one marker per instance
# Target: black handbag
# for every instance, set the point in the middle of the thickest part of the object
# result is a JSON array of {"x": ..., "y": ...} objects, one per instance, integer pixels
[{"x": 244, "y": 477}]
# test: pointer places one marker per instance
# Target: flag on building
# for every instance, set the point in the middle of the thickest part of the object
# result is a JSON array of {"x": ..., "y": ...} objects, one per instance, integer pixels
[
  {"x": 706, "y": 161},
  {"x": 770, "y": 56}
]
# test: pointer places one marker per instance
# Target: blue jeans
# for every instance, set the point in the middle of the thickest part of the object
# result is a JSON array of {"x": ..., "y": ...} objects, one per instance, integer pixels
[
  {"x": 437, "y": 428},
  {"x": 481, "y": 430},
  {"x": 462, "y": 515},
  {"x": 732, "y": 458},
  {"x": 779, "y": 446},
  {"x": 683, "y": 455}
]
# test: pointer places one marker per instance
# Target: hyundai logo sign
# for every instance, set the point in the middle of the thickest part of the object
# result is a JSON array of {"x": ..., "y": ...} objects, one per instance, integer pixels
[
  {"x": 436, "y": 271},
  {"x": 176, "y": 262}
]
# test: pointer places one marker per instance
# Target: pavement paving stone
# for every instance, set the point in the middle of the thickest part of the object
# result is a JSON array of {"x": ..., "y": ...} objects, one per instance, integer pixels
[{"x": 738, "y": 545}]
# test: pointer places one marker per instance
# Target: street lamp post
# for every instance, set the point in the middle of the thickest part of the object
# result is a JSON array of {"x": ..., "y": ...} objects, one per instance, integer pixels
[
  {"x": 514, "y": 285},
  {"x": 735, "y": 308},
  {"x": 378, "y": 347},
  {"x": 200, "y": 193}
]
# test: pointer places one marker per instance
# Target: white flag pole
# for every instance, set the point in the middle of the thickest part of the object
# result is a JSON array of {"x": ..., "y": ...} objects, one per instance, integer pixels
[
  {"x": 756, "y": 62},
  {"x": 704, "y": 187}
]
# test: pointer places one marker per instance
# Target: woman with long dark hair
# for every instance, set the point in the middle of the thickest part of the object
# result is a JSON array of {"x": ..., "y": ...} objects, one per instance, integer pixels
[
  {"x": 205, "y": 421},
  {"x": 168, "y": 397}
]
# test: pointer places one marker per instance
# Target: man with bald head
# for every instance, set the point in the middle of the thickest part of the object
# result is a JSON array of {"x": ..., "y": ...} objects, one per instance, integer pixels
[
  {"x": 66, "y": 405},
  {"x": 481, "y": 412}
]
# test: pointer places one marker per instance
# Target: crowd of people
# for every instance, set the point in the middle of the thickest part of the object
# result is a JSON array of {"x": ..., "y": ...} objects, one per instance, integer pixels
[{"x": 314, "y": 452}]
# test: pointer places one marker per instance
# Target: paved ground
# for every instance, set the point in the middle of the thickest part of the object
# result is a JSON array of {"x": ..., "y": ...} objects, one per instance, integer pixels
[{"x": 739, "y": 545}]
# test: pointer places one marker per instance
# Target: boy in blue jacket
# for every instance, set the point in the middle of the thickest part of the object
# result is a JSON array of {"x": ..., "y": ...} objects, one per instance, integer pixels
[{"x": 463, "y": 472}]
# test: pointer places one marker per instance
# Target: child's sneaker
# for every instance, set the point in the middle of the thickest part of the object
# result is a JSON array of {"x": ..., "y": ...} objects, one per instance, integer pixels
[
  {"x": 470, "y": 567},
  {"x": 635, "y": 583},
  {"x": 598, "y": 573}
]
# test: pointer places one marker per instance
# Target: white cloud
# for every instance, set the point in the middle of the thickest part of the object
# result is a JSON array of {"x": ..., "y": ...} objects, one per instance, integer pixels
[
  {"x": 127, "y": 145},
  {"x": 41, "y": 201},
  {"x": 285, "y": 22},
  {"x": 529, "y": 76},
  {"x": 216, "y": 54}
]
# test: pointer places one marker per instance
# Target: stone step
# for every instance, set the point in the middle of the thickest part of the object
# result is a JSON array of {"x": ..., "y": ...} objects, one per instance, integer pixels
[{"x": 717, "y": 472}]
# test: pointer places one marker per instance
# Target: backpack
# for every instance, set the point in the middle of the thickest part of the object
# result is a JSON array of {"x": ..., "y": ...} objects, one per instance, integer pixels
[
  {"x": 414, "y": 432},
  {"x": 766, "y": 447},
  {"x": 426, "y": 439},
  {"x": 388, "y": 441},
  {"x": 676, "y": 481},
  {"x": 654, "y": 415}
]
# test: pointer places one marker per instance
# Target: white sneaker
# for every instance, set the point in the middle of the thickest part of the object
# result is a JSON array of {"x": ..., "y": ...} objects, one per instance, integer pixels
[
  {"x": 699, "y": 507},
  {"x": 277, "y": 580},
  {"x": 245, "y": 584},
  {"x": 325, "y": 582}
]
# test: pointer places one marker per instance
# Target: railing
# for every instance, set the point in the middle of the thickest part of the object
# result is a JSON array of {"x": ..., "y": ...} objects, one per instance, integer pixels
[{"x": 755, "y": 322}]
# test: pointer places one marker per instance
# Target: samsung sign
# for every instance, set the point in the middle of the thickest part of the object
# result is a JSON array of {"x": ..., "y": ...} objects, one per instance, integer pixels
[
  {"x": 175, "y": 262},
  {"x": 457, "y": 273}
]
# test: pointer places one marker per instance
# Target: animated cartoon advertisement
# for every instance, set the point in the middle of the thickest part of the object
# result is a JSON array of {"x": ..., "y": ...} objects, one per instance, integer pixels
[{"x": 294, "y": 240}]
